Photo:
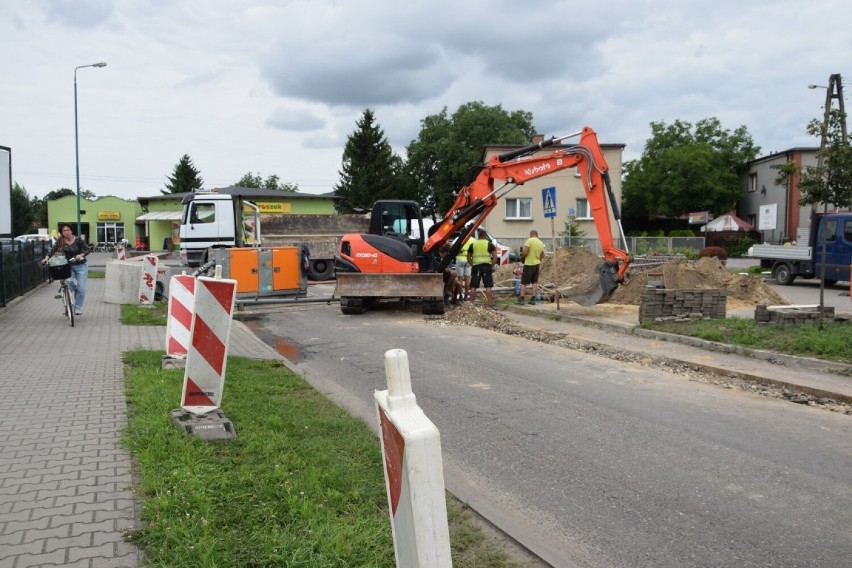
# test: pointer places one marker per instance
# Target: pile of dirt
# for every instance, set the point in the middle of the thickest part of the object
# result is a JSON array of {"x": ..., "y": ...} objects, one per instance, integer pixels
[{"x": 574, "y": 265}]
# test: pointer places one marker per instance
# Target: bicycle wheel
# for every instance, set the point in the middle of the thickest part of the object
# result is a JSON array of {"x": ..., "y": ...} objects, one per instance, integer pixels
[{"x": 69, "y": 305}]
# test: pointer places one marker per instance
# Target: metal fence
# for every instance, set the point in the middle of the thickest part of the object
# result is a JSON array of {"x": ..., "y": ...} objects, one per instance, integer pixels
[
  {"x": 20, "y": 268},
  {"x": 637, "y": 246}
]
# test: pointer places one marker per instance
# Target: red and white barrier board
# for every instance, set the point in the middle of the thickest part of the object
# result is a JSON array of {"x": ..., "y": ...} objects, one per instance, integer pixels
[
  {"x": 148, "y": 282},
  {"x": 120, "y": 253},
  {"x": 206, "y": 358},
  {"x": 503, "y": 255},
  {"x": 179, "y": 322},
  {"x": 414, "y": 475}
]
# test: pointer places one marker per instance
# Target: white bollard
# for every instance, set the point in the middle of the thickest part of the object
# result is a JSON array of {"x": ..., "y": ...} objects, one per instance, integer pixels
[
  {"x": 204, "y": 376},
  {"x": 179, "y": 322},
  {"x": 148, "y": 282},
  {"x": 414, "y": 474}
]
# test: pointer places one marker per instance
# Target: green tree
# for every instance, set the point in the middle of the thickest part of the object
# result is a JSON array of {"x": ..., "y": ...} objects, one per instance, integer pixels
[
  {"x": 683, "y": 170},
  {"x": 572, "y": 228},
  {"x": 185, "y": 178},
  {"x": 370, "y": 170},
  {"x": 449, "y": 148},
  {"x": 831, "y": 181},
  {"x": 271, "y": 182},
  {"x": 23, "y": 214},
  {"x": 58, "y": 193}
]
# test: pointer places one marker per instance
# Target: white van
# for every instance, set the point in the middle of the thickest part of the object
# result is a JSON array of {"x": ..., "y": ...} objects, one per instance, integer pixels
[{"x": 506, "y": 254}]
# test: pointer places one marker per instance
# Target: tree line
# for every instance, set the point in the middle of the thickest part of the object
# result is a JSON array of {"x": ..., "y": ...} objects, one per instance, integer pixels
[{"x": 684, "y": 167}]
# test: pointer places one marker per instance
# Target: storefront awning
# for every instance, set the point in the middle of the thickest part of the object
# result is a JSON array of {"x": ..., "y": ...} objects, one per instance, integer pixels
[{"x": 159, "y": 216}]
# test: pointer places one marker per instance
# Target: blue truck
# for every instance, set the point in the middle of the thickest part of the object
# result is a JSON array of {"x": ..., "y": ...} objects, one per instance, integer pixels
[{"x": 804, "y": 260}]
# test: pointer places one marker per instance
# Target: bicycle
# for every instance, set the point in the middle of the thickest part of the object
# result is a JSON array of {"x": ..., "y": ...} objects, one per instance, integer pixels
[{"x": 61, "y": 271}]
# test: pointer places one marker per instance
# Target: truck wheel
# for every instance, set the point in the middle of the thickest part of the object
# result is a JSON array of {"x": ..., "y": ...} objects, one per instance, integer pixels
[
  {"x": 784, "y": 274},
  {"x": 321, "y": 269},
  {"x": 433, "y": 306},
  {"x": 351, "y": 306}
]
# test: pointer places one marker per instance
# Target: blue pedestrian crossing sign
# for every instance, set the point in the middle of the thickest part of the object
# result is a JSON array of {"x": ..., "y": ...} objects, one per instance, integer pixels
[{"x": 548, "y": 195}]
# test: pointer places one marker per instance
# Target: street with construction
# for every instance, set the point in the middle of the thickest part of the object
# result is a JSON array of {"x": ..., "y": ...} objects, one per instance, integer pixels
[{"x": 502, "y": 387}]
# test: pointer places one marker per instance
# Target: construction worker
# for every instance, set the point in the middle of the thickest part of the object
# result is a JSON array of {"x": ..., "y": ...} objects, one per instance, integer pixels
[
  {"x": 482, "y": 255},
  {"x": 533, "y": 253},
  {"x": 463, "y": 266}
]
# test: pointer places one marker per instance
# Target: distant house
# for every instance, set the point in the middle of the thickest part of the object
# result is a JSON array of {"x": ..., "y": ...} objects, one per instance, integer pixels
[{"x": 774, "y": 209}]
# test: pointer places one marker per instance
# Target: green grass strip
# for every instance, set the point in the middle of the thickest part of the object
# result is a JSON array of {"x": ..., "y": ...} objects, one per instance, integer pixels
[
  {"x": 830, "y": 341},
  {"x": 301, "y": 485}
]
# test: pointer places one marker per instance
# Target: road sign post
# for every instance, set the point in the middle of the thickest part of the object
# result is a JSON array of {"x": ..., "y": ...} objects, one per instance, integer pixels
[{"x": 548, "y": 196}]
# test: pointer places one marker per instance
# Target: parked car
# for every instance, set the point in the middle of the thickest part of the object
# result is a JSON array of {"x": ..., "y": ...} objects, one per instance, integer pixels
[{"x": 35, "y": 238}]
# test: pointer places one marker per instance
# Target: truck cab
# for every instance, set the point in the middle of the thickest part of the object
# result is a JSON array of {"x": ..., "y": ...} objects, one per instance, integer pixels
[{"x": 208, "y": 221}]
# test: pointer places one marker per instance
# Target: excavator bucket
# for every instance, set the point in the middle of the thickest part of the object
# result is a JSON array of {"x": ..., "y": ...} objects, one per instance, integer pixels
[{"x": 596, "y": 289}]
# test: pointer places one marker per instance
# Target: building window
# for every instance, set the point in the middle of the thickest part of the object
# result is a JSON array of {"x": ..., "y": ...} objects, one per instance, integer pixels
[
  {"x": 751, "y": 219},
  {"x": 583, "y": 209},
  {"x": 519, "y": 208},
  {"x": 110, "y": 232},
  {"x": 752, "y": 183}
]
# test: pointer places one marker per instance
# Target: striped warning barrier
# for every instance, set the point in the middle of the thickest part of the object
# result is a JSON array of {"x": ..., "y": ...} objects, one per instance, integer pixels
[
  {"x": 503, "y": 255},
  {"x": 179, "y": 322},
  {"x": 212, "y": 313},
  {"x": 148, "y": 282},
  {"x": 411, "y": 452},
  {"x": 120, "y": 253}
]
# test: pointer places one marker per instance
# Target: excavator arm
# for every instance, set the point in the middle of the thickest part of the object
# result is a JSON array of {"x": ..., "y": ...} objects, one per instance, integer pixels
[{"x": 475, "y": 201}]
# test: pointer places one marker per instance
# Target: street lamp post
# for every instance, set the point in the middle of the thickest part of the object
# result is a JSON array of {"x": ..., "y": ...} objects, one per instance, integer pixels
[{"x": 76, "y": 139}]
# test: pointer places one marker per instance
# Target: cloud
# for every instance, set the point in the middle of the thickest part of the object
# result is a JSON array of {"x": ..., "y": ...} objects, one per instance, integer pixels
[
  {"x": 81, "y": 14},
  {"x": 295, "y": 120}
]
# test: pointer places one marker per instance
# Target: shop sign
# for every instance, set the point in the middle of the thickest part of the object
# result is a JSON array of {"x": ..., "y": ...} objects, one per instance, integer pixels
[{"x": 109, "y": 215}]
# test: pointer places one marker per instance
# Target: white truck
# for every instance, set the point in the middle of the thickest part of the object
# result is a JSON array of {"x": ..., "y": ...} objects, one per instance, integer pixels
[
  {"x": 242, "y": 217},
  {"x": 788, "y": 262}
]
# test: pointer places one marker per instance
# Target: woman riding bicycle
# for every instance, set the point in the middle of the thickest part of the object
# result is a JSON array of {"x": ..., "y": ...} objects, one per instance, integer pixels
[{"x": 75, "y": 250}]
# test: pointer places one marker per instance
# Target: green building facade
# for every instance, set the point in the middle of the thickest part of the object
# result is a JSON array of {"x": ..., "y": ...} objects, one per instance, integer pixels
[
  {"x": 153, "y": 223},
  {"x": 105, "y": 219}
]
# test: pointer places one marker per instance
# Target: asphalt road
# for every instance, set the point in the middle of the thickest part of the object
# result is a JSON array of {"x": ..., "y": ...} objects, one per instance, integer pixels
[{"x": 593, "y": 462}]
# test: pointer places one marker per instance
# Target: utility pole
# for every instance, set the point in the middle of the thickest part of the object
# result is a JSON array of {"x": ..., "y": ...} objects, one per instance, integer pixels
[{"x": 833, "y": 91}]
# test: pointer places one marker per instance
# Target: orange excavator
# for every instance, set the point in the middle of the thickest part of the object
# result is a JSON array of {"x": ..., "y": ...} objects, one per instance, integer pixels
[{"x": 397, "y": 260}]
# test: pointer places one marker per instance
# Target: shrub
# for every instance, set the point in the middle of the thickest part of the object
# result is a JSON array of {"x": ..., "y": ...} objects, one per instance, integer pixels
[
  {"x": 718, "y": 252},
  {"x": 739, "y": 247}
]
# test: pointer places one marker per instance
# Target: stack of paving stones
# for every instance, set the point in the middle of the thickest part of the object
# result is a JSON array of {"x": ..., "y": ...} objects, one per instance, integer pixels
[
  {"x": 792, "y": 315},
  {"x": 657, "y": 304}
]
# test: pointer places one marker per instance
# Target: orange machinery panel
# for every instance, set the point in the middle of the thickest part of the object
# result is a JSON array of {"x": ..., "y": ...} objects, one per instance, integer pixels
[
  {"x": 286, "y": 274},
  {"x": 244, "y": 269}
]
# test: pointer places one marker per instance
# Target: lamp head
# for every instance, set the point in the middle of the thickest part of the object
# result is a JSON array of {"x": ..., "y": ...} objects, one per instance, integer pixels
[{"x": 101, "y": 64}]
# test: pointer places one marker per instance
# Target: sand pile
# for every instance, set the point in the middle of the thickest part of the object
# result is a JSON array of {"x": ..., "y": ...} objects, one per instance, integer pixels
[{"x": 575, "y": 264}]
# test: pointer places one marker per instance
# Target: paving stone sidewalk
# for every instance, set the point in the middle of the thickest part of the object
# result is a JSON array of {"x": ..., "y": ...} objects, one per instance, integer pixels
[{"x": 65, "y": 481}]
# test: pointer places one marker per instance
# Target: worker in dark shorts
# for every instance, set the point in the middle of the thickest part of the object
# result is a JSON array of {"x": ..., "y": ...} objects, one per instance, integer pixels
[
  {"x": 482, "y": 255},
  {"x": 532, "y": 253}
]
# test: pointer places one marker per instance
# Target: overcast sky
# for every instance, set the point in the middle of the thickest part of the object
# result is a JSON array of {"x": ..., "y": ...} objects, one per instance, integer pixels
[{"x": 276, "y": 87}]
